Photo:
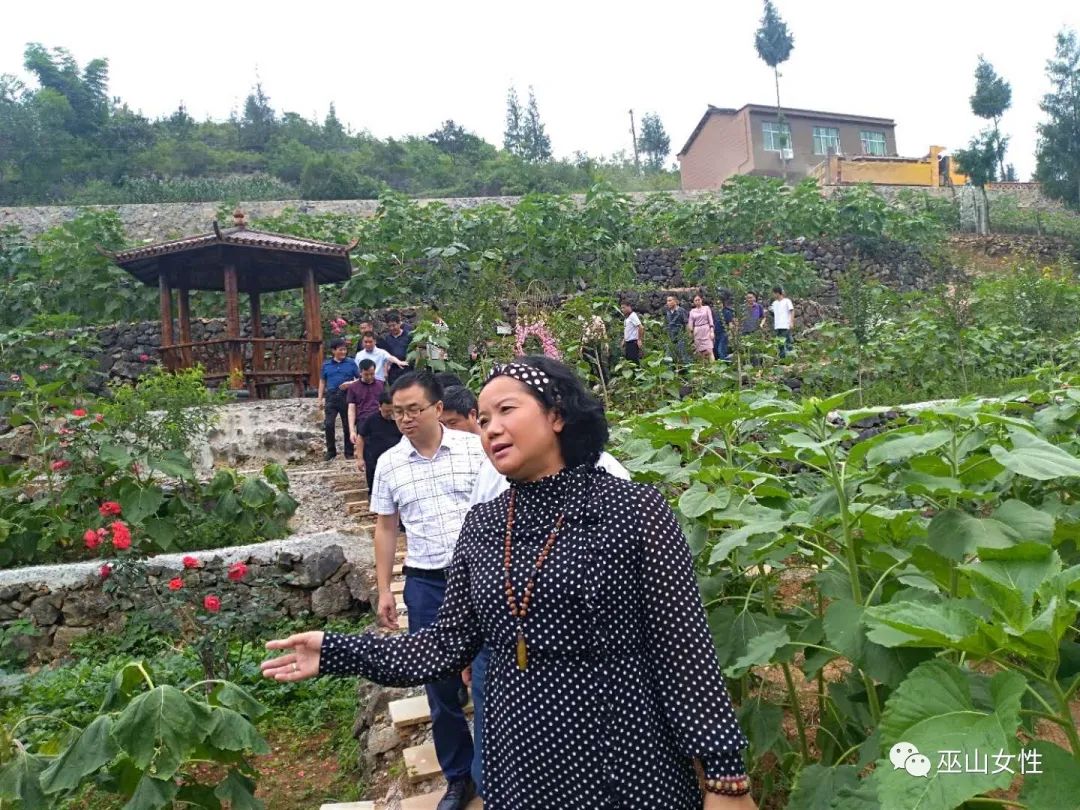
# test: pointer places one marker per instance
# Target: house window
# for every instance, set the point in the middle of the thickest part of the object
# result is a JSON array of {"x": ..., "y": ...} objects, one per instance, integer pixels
[
  {"x": 826, "y": 138},
  {"x": 873, "y": 143},
  {"x": 775, "y": 136}
]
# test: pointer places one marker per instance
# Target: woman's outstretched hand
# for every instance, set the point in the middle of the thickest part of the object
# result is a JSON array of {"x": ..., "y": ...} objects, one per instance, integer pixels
[{"x": 300, "y": 662}]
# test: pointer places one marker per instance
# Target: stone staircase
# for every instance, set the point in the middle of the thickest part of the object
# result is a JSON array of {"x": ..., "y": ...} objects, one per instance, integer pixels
[{"x": 409, "y": 715}]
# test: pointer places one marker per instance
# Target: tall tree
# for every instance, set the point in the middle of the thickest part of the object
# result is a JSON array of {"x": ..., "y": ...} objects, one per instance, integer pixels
[
  {"x": 86, "y": 92},
  {"x": 513, "y": 140},
  {"x": 1057, "y": 164},
  {"x": 654, "y": 141},
  {"x": 536, "y": 141},
  {"x": 333, "y": 131},
  {"x": 992, "y": 97},
  {"x": 774, "y": 44},
  {"x": 257, "y": 123}
]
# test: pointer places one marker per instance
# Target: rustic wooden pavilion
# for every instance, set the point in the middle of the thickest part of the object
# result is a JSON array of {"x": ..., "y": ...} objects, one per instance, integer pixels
[{"x": 241, "y": 260}]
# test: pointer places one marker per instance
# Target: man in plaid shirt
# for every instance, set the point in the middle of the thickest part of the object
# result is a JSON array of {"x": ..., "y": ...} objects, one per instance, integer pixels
[{"x": 426, "y": 481}]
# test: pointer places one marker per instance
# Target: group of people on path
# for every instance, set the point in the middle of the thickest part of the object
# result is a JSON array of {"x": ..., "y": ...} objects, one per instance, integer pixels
[
  {"x": 709, "y": 335},
  {"x": 565, "y": 592}
]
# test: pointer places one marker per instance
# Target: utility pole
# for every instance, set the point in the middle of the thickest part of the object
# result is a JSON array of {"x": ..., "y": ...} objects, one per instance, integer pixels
[{"x": 633, "y": 136}]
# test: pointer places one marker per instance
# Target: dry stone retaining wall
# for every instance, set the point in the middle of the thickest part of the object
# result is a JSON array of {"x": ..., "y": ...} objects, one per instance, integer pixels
[{"x": 326, "y": 575}]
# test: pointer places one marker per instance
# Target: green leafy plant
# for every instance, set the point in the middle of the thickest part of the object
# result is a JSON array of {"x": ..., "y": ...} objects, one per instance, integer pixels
[
  {"x": 142, "y": 745},
  {"x": 915, "y": 585}
]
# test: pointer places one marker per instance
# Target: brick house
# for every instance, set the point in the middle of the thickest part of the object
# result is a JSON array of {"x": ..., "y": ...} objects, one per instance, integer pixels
[{"x": 749, "y": 140}]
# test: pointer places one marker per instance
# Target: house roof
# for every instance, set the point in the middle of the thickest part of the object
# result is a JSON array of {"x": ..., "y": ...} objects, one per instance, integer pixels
[
  {"x": 266, "y": 261},
  {"x": 792, "y": 112}
]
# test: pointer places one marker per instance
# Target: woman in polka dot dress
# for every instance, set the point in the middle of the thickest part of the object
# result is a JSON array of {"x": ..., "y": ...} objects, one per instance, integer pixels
[{"x": 603, "y": 686}]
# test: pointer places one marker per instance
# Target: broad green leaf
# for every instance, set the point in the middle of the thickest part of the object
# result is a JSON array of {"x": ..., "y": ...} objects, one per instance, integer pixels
[
  {"x": 162, "y": 531},
  {"x": 817, "y": 785},
  {"x": 1028, "y": 522},
  {"x": 276, "y": 475},
  {"x": 732, "y": 632},
  {"x": 763, "y": 723},
  {"x": 152, "y": 794},
  {"x": 239, "y": 791},
  {"x": 232, "y": 731},
  {"x": 1058, "y": 786},
  {"x": 698, "y": 500},
  {"x": 231, "y": 696},
  {"x": 173, "y": 463},
  {"x": 737, "y": 538},
  {"x": 957, "y": 535},
  {"x": 139, "y": 503},
  {"x": 159, "y": 728},
  {"x": 843, "y": 628},
  {"x": 1036, "y": 458},
  {"x": 118, "y": 457},
  {"x": 934, "y": 711},
  {"x": 759, "y": 651},
  {"x": 1009, "y": 586},
  {"x": 902, "y": 448},
  {"x": 930, "y": 625},
  {"x": 91, "y": 750},
  {"x": 255, "y": 492},
  {"x": 123, "y": 685},
  {"x": 20, "y": 780}
]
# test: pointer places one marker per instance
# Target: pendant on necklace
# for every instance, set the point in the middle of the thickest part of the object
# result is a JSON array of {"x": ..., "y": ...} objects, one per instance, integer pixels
[{"x": 522, "y": 653}]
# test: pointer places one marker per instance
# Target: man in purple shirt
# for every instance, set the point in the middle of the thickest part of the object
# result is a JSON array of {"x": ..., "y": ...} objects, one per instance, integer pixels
[{"x": 363, "y": 397}]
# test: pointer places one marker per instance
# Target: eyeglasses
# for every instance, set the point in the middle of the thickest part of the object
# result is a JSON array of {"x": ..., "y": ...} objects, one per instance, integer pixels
[{"x": 411, "y": 412}]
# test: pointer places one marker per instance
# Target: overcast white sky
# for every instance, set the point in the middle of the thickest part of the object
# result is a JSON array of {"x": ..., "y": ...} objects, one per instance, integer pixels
[{"x": 398, "y": 68}]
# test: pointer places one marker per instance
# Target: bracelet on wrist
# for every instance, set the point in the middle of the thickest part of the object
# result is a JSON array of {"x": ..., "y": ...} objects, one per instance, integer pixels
[{"x": 729, "y": 785}]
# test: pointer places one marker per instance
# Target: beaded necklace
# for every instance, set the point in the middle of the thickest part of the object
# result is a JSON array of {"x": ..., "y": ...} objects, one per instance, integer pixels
[{"x": 518, "y": 612}]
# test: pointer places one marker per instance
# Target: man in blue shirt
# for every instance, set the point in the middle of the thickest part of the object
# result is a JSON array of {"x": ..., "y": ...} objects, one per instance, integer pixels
[{"x": 338, "y": 373}]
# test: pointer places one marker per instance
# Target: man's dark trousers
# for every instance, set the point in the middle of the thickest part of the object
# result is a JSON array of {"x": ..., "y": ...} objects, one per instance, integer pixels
[
  {"x": 784, "y": 337},
  {"x": 453, "y": 742},
  {"x": 336, "y": 406}
]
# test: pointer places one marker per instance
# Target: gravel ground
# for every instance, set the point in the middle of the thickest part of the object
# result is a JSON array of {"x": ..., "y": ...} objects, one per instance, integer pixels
[{"x": 321, "y": 506}]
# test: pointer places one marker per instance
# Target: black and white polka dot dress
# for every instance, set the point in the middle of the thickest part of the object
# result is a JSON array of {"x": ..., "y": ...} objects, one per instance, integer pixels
[{"x": 622, "y": 688}]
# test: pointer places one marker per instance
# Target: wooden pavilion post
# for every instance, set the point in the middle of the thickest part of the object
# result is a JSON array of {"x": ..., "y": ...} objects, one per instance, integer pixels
[
  {"x": 257, "y": 347},
  {"x": 183, "y": 314},
  {"x": 232, "y": 327},
  {"x": 312, "y": 326},
  {"x": 165, "y": 292}
]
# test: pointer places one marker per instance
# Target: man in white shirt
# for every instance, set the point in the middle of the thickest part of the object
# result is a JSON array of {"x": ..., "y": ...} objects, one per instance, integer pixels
[
  {"x": 632, "y": 342},
  {"x": 380, "y": 357},
  {"x": 426, "y": 482},
  {"x": 783, "y": 319}
]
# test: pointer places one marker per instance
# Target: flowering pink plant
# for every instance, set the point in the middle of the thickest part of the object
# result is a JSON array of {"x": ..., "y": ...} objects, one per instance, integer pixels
[{"x": 539, "y": 330}]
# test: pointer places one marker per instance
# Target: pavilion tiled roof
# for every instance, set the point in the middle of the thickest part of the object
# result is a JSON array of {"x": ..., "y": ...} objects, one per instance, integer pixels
[{"x": 266, "y": 261}]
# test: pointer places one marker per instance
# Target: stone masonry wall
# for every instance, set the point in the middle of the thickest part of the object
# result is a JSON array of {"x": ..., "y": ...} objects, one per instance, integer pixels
[
  {"x": 299, "y": 577},
  {"x": 156, "y": 221}
]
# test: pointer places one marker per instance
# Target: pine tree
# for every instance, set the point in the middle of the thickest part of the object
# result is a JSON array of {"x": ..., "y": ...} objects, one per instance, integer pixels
[
  {"x": 513, "y": 135},
  {"x": 992, "y": 97},
  {"x": 654, "y": 141},
  {"x": 1057, "y": 164},
  {"x": 258, "y": 121},
  {"x": 774, "y": 44},
  {"x": 536, "y": 143}
]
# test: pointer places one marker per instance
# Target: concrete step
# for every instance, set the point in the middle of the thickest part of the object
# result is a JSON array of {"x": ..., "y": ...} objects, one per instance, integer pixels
[
  {"x": 354, "y": 495},
  {"x": 397, "y": 570},
  {"x": 412, "y": 711},
  {"x": 397, "y": 586},
  {"x": 429, "y": 801},
  {"x": 361, "y": 509},
  {"x": 421, "y": 762}
]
